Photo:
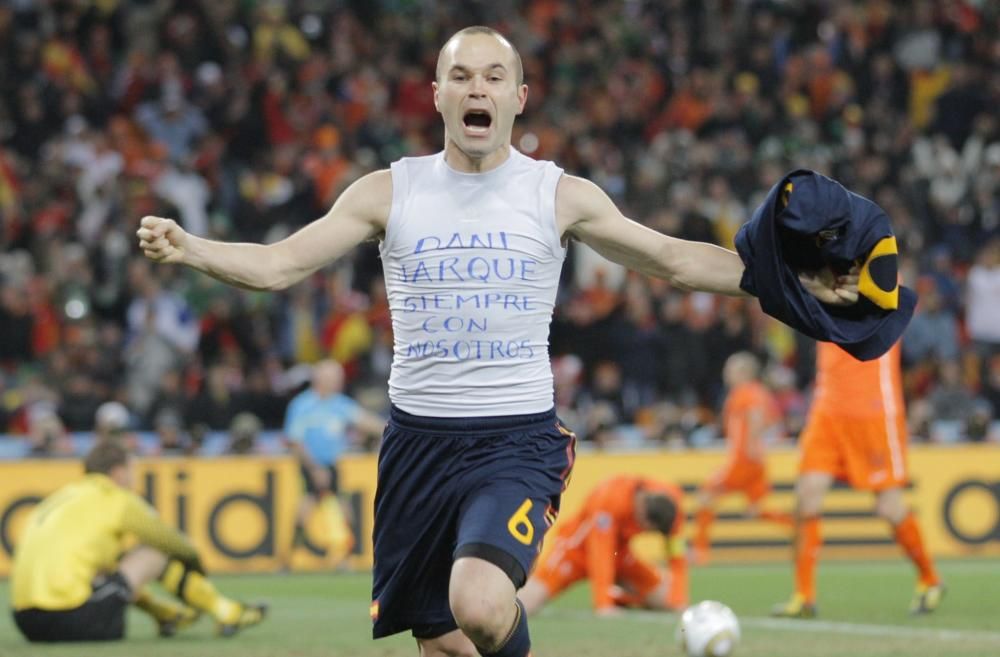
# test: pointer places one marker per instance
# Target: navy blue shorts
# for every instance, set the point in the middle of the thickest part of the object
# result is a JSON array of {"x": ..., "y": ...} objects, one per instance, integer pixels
[{"x": 487, "y": 487}]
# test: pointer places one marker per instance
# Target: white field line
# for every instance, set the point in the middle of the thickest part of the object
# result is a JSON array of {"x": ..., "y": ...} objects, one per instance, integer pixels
[
  {"x": 813, "y": 625},
  {"x": 864, "y": 629}
]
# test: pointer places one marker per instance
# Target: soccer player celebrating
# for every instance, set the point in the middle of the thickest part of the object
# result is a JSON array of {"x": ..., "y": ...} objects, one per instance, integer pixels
[
  {"x": 749, "y": 413},
  {"x": 72, "y": 579},
  {"x": 594, "y": 544},
  {"x": 856, "y": 430},
  {"x": 472, "y": 241}
]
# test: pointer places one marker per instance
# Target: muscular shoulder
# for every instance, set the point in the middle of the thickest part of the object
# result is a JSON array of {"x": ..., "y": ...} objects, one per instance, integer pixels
[
  {"x": 579, "y": 200},
  {"x": 370, "y": 197}
]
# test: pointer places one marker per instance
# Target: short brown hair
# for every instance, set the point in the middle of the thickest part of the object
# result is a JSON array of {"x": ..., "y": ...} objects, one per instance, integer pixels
[
  {"x": 482, "y": 29},
  {"x": 661, "y": 512},
  {"x": 104, "y": 457}
]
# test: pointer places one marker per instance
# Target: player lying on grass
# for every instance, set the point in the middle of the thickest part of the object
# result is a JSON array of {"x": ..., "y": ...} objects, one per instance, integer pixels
[
  {"x": 73, "y": 577},
  {"x": 594, "y": 544}
]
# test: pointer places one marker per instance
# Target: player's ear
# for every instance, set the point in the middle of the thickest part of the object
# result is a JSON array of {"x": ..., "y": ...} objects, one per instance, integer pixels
[
  {"x": 522, "y": 97},
  {"x": 435, "y": 89}
]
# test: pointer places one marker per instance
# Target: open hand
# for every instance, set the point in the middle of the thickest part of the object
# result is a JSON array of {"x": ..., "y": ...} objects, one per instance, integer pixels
[{"x": 162, "y": 240}]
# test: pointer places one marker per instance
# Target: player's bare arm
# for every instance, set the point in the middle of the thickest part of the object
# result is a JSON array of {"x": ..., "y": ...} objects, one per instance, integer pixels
[
  {"x": 585, "y": 212},
  {"x": 359, "y": 214}
]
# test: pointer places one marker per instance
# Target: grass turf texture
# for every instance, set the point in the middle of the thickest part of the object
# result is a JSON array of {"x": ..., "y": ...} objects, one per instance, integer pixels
[{"x": 863, "y": 613}]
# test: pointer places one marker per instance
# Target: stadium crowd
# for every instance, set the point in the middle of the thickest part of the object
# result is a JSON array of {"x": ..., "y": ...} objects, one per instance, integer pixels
[{"x": 245, "y": 119}]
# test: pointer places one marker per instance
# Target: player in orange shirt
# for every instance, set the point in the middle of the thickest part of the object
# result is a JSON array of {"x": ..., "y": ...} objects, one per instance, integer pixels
[
  {"x": 749, "y": 413},
  {"x": 594, "y": 544},
  {"x": 856, "y": 430}
]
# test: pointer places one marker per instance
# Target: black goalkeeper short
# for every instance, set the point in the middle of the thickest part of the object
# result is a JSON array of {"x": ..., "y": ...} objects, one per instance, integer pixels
[{"x": 100, "y": 618}]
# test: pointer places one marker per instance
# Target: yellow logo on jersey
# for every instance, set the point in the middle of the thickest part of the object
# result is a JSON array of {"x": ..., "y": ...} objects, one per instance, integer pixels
[{"x": 882, "y": 288}]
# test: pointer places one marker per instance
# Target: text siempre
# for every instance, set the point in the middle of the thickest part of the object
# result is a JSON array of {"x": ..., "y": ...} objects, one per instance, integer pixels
[{"x": 464, "y": 287}]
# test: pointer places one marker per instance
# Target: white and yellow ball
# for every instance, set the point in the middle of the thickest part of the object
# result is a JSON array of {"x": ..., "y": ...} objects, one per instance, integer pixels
[{"x": 708, "y": 629}]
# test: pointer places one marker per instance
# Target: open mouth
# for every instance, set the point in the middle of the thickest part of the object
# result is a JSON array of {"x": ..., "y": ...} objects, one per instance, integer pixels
[{"x": 477, "y": 120}]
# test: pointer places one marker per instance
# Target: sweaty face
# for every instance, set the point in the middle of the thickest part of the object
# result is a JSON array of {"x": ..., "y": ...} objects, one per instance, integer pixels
[{"x": 477, "y": 93}]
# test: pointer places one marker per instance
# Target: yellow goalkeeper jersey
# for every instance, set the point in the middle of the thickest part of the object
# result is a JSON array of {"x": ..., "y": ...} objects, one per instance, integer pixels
[{"x": 78, "y": 532}]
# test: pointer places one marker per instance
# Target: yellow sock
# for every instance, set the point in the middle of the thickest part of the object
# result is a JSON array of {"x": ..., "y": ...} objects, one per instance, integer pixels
[
  {"x": 195, "y": 589},
  {"x": 341, "y": 538},
  {"x": 161, "y": 609}
]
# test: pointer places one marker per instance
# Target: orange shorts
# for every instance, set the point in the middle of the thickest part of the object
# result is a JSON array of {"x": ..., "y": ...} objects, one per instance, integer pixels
[
  {"x": 562, "y": 568},
  {"x": 747, "y": 477},
  {"x": 869, "y": 453}
]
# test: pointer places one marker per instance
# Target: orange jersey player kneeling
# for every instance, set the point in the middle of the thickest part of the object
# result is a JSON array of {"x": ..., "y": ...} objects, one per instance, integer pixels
[{"x": 594, "y": 544}]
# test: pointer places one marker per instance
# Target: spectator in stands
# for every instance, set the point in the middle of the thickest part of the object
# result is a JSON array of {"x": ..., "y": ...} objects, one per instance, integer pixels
[
  {"x": 953, "y": 406},
  {"x": 173, "y": 122},
  {"x": 46, "y": 434},
  {"x": 16, "y": 324},
  {"x": 982, "y": 315},
  {"x": 79, "y": 402},
  {"x": 218, "y": 401},
  {"x": 933, "y": 331},
  {"x": 113, "y": 422},
  {"x": 170, "y": 434},
  {"x": 99, "y": 123},
  {"x": 244, "y": 431}
]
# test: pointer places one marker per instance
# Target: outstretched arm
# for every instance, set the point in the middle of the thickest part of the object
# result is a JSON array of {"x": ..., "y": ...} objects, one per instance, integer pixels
[
  {"x": 585, "y": 212},
  {"x": 360, "y": 213}
]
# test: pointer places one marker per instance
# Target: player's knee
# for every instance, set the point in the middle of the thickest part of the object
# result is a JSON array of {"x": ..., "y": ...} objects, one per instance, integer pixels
[
  {"x": 808, "y": 506},
  {"x": 891, "y": 507},
  {"x": 142, "y": 565},
  {"x": 484, "y": 619},
  {"x": 809, "y": 497}
]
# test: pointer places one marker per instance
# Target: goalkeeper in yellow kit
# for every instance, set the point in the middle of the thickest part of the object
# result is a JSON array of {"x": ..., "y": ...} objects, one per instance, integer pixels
[{"x": 73, "y": 578}]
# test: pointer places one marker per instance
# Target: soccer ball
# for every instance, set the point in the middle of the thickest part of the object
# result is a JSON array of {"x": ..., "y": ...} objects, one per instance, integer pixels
[{"x": 708, "y": 629}]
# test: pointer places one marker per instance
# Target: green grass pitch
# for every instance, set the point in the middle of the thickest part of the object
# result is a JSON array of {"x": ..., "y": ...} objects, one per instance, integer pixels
[{"x": 862, "y": 614}]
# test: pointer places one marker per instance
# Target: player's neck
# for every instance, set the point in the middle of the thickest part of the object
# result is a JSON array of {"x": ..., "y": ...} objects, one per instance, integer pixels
[{"x": 462, "y": 162}]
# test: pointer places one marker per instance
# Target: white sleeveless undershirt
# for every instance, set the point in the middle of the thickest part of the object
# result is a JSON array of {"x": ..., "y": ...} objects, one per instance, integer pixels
[{"x": 472, "y": 264}]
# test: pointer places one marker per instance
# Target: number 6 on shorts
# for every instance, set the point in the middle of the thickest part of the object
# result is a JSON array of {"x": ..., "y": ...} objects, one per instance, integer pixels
[{"x": 520, "y": 526}]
